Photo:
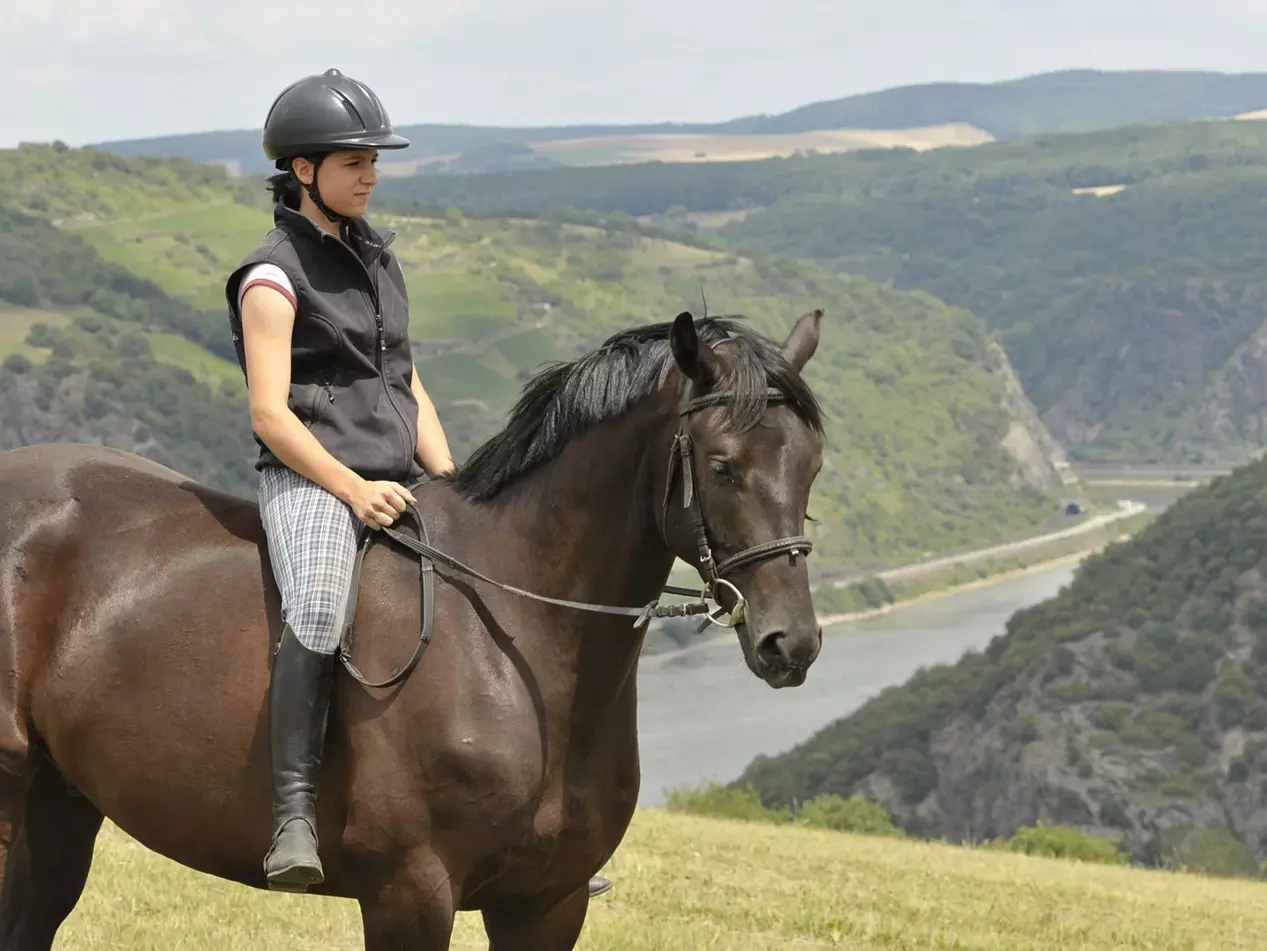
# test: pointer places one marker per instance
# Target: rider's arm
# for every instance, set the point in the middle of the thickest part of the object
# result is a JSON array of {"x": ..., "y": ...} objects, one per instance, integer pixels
[
  {"x": 267, "y": 321},
  {"x": 433, "y": 447}
]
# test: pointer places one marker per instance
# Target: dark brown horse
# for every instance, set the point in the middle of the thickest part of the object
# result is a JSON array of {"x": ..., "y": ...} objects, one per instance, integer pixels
[{"x": 137, "y": 615}]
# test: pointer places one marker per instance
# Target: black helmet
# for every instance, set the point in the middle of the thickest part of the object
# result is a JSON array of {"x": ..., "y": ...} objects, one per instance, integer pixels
[{"x": 324, "y": 113}]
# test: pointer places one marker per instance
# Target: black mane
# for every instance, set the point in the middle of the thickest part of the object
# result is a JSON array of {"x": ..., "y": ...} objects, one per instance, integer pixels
[{"x": 565, "y": 399}]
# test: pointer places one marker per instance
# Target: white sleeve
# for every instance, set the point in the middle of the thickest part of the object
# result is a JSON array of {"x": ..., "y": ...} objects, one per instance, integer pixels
[{"x": 270, "y": 275}]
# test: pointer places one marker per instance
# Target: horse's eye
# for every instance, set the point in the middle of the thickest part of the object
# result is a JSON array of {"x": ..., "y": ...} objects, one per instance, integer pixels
[{"x": 722, "y": 470}]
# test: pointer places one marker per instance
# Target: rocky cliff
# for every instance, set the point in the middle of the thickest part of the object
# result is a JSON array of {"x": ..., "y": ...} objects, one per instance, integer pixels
[{"x": 1132, "y": 705}]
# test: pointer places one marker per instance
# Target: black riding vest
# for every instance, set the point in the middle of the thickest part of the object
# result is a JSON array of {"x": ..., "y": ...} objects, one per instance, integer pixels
[{"x": 350, "y": 357}]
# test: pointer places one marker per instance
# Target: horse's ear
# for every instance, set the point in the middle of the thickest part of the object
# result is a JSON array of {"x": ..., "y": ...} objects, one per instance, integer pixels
[
  {"x": 803, "y": 340},
  {"x": 694, "y": 357}
]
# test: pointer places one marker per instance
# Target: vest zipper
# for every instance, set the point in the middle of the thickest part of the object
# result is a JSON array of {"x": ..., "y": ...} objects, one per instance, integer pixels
[{"x": 410, "y": 451}]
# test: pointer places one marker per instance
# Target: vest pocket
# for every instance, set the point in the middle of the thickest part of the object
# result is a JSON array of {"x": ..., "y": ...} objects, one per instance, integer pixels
[{"x": 305, "y": 401}]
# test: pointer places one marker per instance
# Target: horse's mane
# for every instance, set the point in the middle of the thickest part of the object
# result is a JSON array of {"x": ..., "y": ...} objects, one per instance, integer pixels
[{"x": 564, "y": 399}]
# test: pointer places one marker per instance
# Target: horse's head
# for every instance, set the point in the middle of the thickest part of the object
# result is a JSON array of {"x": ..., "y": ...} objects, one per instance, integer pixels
[{"x": 748, "y": 449}]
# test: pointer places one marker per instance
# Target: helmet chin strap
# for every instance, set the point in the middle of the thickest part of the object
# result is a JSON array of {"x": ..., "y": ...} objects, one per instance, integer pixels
[{"x": 315, "y": 194}]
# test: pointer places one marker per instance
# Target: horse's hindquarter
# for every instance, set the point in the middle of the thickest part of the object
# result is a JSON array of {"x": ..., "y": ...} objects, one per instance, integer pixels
[{"x": 146, "y": 638}]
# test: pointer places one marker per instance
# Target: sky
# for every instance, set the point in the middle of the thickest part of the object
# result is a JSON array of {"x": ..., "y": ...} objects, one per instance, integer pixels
[{"x": 91, "y": 70}]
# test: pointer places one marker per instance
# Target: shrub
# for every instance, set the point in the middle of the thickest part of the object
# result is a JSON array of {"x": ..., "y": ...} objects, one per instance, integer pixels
[
  {"x": 854, "y": 814},
  {"x": 1113, "y": 813},
  {"x": 912, "y": 771},
  {"x": 1238, "y": 770},
  {"x": 1062, "y": 842},
  {"x": 720, "y": 802},
  {"x": 1111, "y": 715},
  {"x": 1026, "y": 727},
  {"x": 134, "y": 344},
  {"x": 1218, "y": 852},
  {"x": 41, "y": 335}
]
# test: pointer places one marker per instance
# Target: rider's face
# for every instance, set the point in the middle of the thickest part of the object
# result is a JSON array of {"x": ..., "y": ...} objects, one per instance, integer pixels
[{"x": 345, "y": 180}]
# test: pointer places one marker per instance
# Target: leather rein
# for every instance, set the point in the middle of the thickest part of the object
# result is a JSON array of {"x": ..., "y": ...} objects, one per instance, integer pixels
[{"x": 713, "y": 573}]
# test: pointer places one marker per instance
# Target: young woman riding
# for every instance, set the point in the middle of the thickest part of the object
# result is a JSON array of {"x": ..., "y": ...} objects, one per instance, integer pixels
[{"x": 320, "y": 320}]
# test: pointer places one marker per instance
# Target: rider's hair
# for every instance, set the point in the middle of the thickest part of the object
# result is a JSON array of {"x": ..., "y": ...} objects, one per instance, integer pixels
[{"x": 285, "y": 187}]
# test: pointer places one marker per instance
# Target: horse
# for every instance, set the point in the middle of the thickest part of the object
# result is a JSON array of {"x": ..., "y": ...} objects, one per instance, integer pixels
[{"x": 138, "y": 616}]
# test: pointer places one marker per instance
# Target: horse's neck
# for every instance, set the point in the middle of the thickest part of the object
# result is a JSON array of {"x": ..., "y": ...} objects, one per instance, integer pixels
[
  {"x": 592, "y": 521},
  {"x": 596, "y": 501}
]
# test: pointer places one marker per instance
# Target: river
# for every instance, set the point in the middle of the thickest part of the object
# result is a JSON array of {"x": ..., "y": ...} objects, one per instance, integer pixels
[{"x": 703, "y": 715}]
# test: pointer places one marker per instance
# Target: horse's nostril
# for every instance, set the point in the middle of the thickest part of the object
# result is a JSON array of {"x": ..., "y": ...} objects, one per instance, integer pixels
[{"x": 772, "y": 649}]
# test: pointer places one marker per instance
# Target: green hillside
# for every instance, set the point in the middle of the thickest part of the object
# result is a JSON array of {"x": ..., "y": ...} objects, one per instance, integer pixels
[
  {"x": 1118, "y": 156},
  {"x": 1131, "y": 317},
  {"x": 928, "y": 450},
  {"x": 1122, "y": 269},
  {"x": 1066, "y": 101},
  {"x": 1133, "y": 704}
]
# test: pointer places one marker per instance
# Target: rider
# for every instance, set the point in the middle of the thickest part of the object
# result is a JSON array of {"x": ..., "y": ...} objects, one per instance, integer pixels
[{"x": 320, "y": 321}]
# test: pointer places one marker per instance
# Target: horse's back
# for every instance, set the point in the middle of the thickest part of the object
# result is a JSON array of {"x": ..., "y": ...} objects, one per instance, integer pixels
[{"x": 108, "y": 483}]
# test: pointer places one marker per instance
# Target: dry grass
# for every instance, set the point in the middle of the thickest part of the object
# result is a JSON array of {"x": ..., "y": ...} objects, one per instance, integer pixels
[
  {"x": 690, "y": 147},
  {"x": 687, "y": 883}
]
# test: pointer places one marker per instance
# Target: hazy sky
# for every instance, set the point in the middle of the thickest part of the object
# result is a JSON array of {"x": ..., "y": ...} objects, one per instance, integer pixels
[{"x": 88, "y": 70}]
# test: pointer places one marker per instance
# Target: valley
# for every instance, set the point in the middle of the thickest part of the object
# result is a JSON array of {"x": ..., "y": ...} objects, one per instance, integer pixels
[
  {"x": 951, "y": 458},
  {"x": 1039, "y": 525}
]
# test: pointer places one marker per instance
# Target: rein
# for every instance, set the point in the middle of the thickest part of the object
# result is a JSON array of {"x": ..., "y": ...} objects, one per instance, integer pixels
[{"x": 712, "y": 572}]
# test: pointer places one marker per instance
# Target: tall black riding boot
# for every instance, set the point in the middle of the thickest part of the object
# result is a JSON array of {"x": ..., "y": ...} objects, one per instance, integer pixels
[{"x": 298, "y": 702}]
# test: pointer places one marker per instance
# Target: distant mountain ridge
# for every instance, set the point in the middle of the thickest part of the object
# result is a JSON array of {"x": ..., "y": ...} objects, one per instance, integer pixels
[{"x": 1065, "y": 101}]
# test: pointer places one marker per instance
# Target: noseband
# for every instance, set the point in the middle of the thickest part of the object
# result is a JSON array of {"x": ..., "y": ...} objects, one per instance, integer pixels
[{"x": 680, "y": 459}]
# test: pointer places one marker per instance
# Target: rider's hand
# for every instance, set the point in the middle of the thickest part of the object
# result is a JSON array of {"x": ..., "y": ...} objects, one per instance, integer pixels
[{"x": 378, "y": 504}]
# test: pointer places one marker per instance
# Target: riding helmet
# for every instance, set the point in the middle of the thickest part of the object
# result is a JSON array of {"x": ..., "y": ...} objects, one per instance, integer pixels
[{"x": 319, "y": 114}]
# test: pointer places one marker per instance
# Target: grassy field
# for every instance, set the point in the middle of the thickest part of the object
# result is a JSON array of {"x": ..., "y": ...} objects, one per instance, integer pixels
[
  {"x": 725, "y": 147},
  {"x": 446, "y": 306},
  {"x": 15, "y": 324},
  {"x": 182, "y": 352},
  {"x": 188, "y": 251},
  {"x": 688, "y": 883}
]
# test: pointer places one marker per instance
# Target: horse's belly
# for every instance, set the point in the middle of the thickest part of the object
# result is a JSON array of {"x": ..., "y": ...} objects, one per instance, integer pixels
[{"x": 561, "y": 835}]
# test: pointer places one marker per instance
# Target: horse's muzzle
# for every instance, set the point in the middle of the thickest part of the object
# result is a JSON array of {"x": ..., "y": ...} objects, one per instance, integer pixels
[{"x": 782, "y": 658}]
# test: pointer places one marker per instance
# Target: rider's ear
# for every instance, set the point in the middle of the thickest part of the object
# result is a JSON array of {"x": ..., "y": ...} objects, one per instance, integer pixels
[
  {"x": 694, "y": 357},
  {"x": 803, "y": 340}
]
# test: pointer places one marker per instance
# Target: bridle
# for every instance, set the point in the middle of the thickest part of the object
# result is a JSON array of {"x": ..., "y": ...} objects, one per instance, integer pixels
[{"x": 713, "y": 573}]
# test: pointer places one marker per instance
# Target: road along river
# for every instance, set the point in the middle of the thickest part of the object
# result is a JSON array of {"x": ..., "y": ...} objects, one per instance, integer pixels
[{"x": 703, "y": 715}]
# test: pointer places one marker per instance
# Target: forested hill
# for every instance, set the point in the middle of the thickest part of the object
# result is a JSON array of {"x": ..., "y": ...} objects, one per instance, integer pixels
[
  {"x": 1122, "y": 269},
  {"x": 1125, "y": 272},
  {"x": 1133, "y": 704},
  {"x": 1066, "y": 101},
  {"x": 112, "y": 329}
]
